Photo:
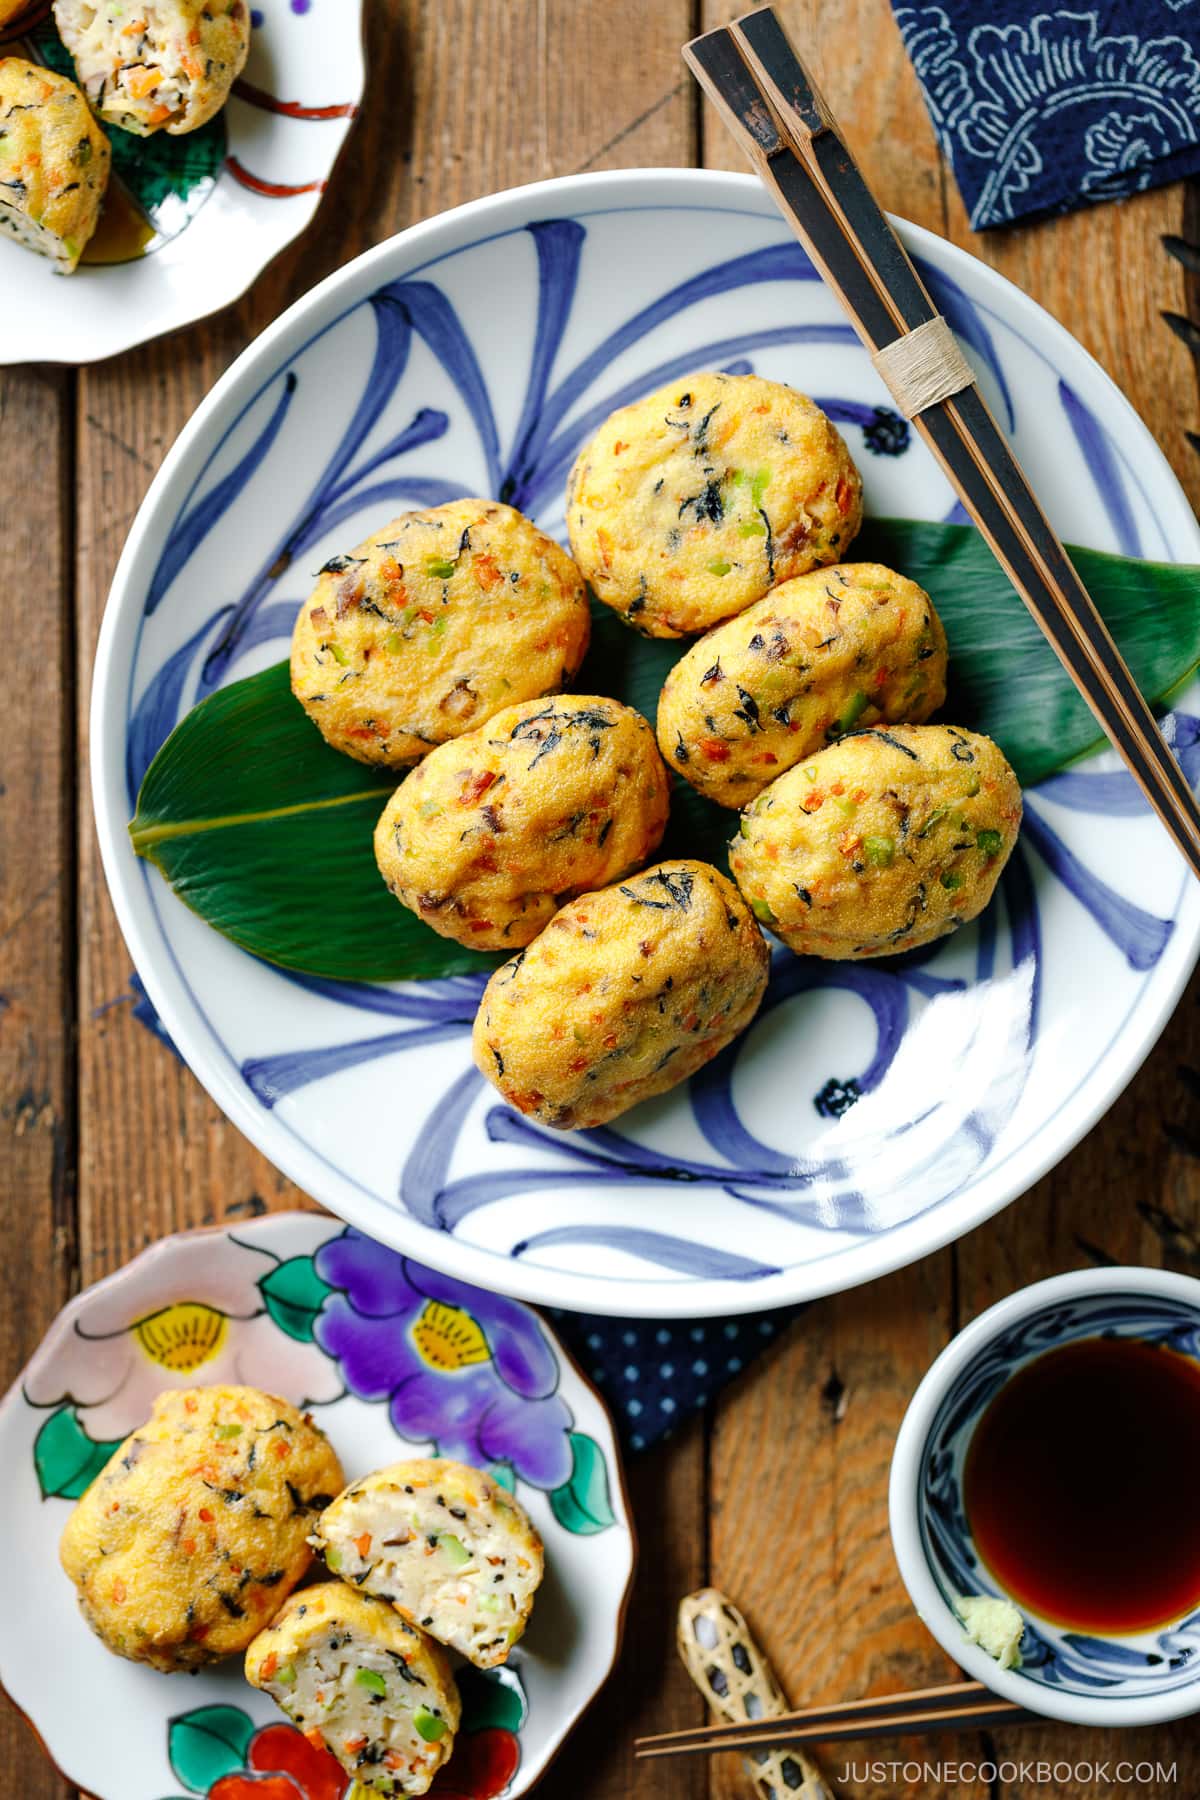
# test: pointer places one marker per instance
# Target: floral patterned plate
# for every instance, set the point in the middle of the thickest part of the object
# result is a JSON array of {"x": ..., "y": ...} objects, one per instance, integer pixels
[
  {"x": 873, "y": 1111},
  {"x": 190, "y": 222},
  {"x": 391, "y": 1359}
]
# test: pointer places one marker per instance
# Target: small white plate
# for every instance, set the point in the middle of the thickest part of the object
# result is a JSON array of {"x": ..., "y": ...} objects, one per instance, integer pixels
[
  {"x": 873, "y": 1111},
  {"x": 255, "y": 1305},
  {"x": 241, "y": 189}
]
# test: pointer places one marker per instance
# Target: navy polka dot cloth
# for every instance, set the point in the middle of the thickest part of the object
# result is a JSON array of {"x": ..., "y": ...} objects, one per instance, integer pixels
[{"x": 655, "y": 1375}]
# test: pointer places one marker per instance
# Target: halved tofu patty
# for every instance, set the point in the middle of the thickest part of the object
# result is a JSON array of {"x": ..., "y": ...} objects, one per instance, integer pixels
[
  {"x": 196, "y": 1529},
  {"x": 350, "y": 1673},
  {"x": 54, "y": 163},
  {"x": 156, "y": 65},
  {"x": 449, "y": 1547}
]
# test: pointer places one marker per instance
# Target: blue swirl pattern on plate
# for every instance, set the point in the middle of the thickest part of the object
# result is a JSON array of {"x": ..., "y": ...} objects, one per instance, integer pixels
[
  {"x": 940, "y": 1148},
  {"x": 1148, "y": 1662}
]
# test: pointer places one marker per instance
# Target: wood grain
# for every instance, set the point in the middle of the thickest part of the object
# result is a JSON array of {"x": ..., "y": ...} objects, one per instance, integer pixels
[{"x": 37, "y": 901}]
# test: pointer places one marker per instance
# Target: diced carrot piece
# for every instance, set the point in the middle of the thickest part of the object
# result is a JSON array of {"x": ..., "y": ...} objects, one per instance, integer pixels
[
  {"x": 269, "y": 1666},
  {"x": 141, "y": 82},
  {"x": 363, "y": 1544}
]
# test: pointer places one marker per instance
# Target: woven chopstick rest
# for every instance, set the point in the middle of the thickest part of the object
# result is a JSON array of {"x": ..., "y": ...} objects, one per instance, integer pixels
[
  {"x": 739, "y": 1684},
  {"x": 923, "y": 367}
]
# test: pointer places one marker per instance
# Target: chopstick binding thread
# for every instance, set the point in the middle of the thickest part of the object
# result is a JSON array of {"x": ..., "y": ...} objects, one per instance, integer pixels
[{"x": 923, "y": 367}]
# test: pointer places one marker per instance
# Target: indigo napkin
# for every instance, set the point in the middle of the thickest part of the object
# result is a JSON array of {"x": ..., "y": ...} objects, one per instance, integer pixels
[{"x": 1042, "y": 109}]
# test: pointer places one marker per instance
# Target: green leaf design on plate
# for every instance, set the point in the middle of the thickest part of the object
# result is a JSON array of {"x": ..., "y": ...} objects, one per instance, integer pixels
[
  {"x": 504, "y": 1476},
  {"x": 583, "y": 1505},
  {"x": 274, "y": 849},
  {"x": 67, "y": 1460},
  {"x": 169, "y": 178},
  {"x": 492, "y": 1698},
  {"x": 208, "y": 1743},
  {"x": 295, "y": 1294}
]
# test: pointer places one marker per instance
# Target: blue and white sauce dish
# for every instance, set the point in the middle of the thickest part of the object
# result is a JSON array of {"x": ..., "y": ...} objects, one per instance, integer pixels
[
  {"x": 873, "y": 1112},
  {"x": 1088, "y": 1678}
]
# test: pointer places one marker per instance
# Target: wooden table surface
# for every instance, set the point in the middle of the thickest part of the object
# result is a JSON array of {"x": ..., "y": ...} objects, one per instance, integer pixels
[{"x": 107, "y": 1143}]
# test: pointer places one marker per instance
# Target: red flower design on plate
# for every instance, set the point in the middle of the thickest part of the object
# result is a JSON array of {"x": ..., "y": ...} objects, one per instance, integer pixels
[
  {"x": 281, "y": 1764},
  {"x": 483, "y": 1764}
]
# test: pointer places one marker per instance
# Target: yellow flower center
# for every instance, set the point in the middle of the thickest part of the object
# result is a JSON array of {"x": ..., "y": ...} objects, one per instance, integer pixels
[
  {"x": 448, "y": 1338},
  {"x": 183, "y": 1336}
]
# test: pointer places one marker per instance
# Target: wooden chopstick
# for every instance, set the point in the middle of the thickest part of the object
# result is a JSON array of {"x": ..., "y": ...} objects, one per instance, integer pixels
[
  {"x": 772, "y": 106},
  {"x": 956, "y": 1706}
]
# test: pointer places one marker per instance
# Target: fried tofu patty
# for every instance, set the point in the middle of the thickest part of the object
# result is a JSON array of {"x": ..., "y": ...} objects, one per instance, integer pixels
[
  {"x": 432, "y": 625},
  {"x": 688, "y": 506},
  {"x": 490, "y": 834},
  {"x": 156, "y": 65},
  {"x": 448, "y": 1547},
  {"x": 627, "y": 992},
  {"x": 348, "y": 1671},
  {"x": 54, "y": 163},
  {"x": 835, "y": 649},
  {"x": 889, "y": 839},
  {"x": 196, "y": 1530}
]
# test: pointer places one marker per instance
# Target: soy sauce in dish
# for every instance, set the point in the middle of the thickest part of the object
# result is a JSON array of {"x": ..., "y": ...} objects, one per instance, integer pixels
[{"x": 1080, "y": 1485}]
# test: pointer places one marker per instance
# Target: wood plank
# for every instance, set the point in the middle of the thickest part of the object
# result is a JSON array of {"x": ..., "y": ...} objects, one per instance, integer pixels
[
  {"x": 546, "y": 98},
  {"x": 37, "y": 987}
]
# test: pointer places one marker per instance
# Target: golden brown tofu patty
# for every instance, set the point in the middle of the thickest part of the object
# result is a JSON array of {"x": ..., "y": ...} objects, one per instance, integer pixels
[
  {"x": 447, "y": 1546},
  {"x": 888, "y": 839},
  {"x": 490, "y": 834},
  {"x": 627, "y": 992},
  {"x": 350, "y": 1674},
  {"x": 156, "y": 65},
  {"x": 54, "y": 163},
  {"x": 836, "y": 649},
  {"x": 688, "y": 506},
  {"x": 195, "y": 1532},
  {"x": 432, "y": 625}
]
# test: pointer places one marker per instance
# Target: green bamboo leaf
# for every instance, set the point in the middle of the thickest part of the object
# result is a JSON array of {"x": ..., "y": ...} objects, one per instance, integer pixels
[
  {"x": 67, "y": 1460},
  {"x": 582, "y": 1505},
  {"x": 295, "y": 1294},
  {"x": 1004, "y": 678},
  {"x": 208, "y": 1743},
  {"x": 266, "y": 832}
]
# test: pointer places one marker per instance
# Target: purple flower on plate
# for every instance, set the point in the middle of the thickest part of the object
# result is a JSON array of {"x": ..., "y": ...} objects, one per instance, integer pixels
[{"x": 467, "y": 1369}]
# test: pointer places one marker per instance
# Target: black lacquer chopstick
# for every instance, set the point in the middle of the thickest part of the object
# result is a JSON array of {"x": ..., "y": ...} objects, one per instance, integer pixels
[{"x": 774, "y": 109}]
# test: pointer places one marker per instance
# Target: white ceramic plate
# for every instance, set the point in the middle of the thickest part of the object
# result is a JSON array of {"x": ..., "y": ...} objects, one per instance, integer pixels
[
  {"x": 476, "y": 352},
  {"x": 231, "y": 197},
  {"x": 298, "y": 1306}
]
